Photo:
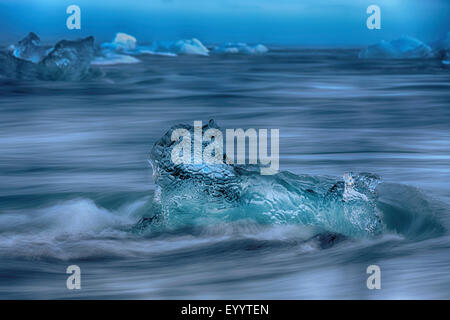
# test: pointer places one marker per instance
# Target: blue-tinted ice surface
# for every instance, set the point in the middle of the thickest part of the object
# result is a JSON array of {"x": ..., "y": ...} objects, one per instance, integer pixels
[
  {"x": 29, "y": 49},
  {"x": 119, "y": 51},
  {"x": 402, "y": 48},
  {"x": 240, "y": 47},
  {"x": 67, "y": 60},
  {"x": 122, "y": 43},
  {"x": 189, "y": 46},
  {"x": 408, "y": 47},
  {"x": 191, "y": 194}
]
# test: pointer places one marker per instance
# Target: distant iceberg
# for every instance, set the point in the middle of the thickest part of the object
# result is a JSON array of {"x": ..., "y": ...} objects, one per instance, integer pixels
[
  {"x": 441, "y": 49},
  {"x": 403, "y": 48},
  {"x": 67, "y": 60},
  {"x": 190, "y": 46},
  {"x": 127, "y": 44},
  {"x": 409, "y": 48},
  {"x": 122, "y": 43},
  {"x": 119, "y": 51},
  {"x": 240, "y": 48}
]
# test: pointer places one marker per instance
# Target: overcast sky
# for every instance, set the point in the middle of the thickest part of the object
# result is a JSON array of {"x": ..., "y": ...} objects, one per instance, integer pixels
[{"x": 291, "y": 22}]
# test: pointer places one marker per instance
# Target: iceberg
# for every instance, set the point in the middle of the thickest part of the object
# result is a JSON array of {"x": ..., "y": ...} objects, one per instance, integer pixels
[
  {"x": 67, "y": 60},
  {"x": 119, "y": 51},
  {"x": 441, "y": 49},
  {"x": 212, "y": 193},
  {"x": 239, "y": 47},
  {"x": 29, "y": 49},
  {"x": 402, "y": 48},
  {"x": 122, "y": 43},
  {"x": 188, "y": 47}
]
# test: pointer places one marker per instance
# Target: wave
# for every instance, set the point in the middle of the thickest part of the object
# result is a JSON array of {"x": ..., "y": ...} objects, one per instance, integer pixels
[
  {"x": 80, "y": 228},
  {"x": 231, "y": 205},
  {"x": 55, "y": 231}
]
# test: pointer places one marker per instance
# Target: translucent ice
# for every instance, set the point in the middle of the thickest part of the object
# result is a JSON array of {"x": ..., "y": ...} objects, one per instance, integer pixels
[
  {"x": 190, "y": 46},
  {"x": 29, "y": 49},
  {"x": 122, "y": 42},
  {"x": 239, "y": 47},
  {"x": 204, "y": 193},
  {"x": 69, "y": 60},
  {"x": 402, "y": 48}
]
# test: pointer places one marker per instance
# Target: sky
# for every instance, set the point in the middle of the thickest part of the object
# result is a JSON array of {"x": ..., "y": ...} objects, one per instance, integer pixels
[{"x": 283, "y": 22}]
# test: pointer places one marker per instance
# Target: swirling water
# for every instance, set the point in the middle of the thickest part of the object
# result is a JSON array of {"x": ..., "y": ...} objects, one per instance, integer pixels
[{"x": 75, "y": 178}]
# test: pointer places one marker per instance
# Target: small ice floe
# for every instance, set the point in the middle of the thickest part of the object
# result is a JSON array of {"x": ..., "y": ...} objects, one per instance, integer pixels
[
  {"x": 403, "y": 48},
  {"x": 240, "y": 48},
  {"x": 188, "y": 47},
  {"x": 122, "y": 42}
]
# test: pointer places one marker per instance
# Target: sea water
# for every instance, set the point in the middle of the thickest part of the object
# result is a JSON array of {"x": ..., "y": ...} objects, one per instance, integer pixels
[{"x": 75, "y": 178}]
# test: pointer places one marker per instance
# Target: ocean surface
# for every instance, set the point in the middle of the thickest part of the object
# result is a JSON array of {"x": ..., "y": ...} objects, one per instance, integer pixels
[{"x": 75, "y": 177}]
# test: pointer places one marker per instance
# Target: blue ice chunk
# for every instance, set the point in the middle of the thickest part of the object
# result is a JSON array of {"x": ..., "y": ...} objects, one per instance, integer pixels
[
  {"x": 202, "y": 193},
  {"x": 240, "y": 48},
  {"x": 403, "y": 48},
  {"x": 29, "y": 49}
]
